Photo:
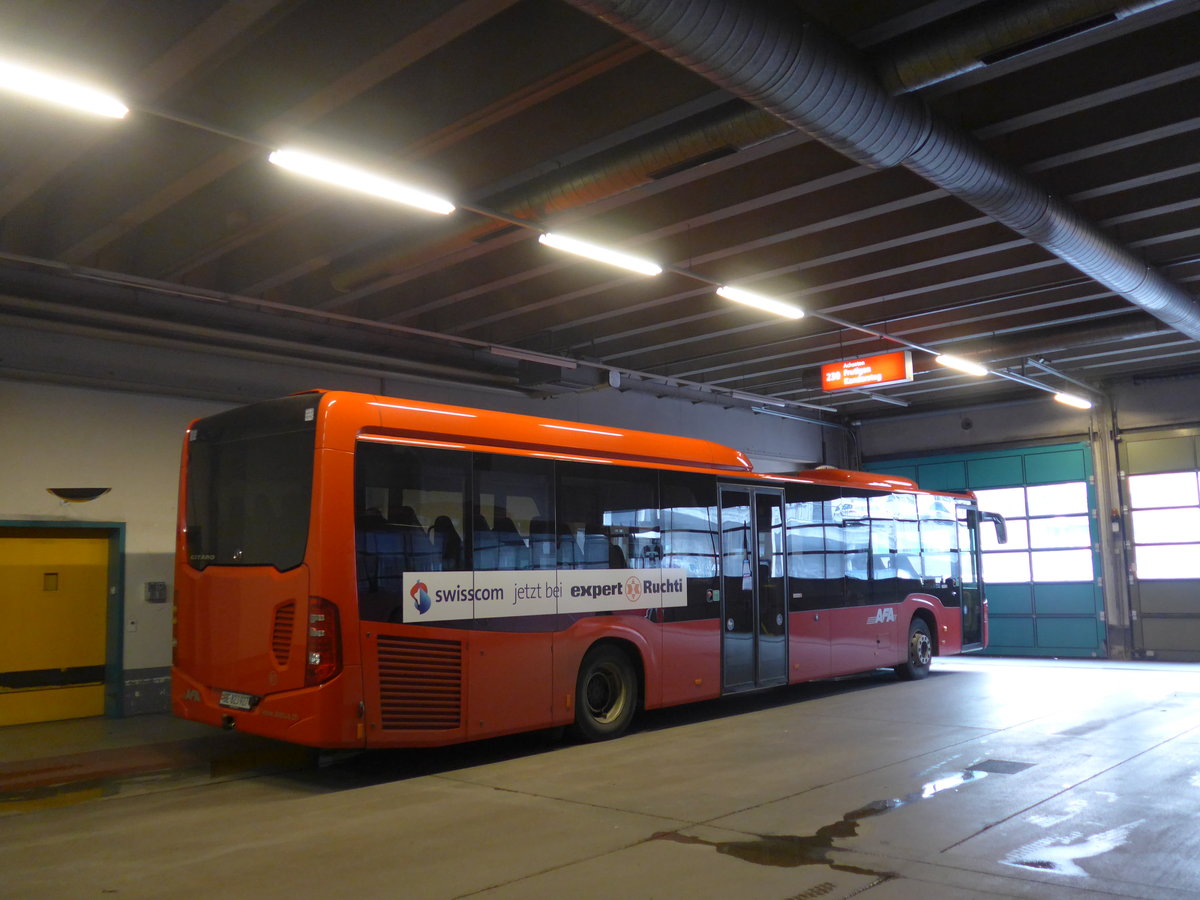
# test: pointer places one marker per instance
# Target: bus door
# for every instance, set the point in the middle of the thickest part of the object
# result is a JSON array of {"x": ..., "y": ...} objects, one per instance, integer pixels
[
  {"x": 971, "y": 563},
  {"x": 753, "y": 589}
]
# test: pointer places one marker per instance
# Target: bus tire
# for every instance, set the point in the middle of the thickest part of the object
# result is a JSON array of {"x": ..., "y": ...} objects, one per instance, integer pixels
[
  {"x": 606, "y": 694},
  {"x": 920, "y": 652}
]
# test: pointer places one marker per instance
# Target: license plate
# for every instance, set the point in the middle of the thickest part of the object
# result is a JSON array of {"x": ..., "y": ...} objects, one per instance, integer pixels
[{"x": 234, "y": 700}]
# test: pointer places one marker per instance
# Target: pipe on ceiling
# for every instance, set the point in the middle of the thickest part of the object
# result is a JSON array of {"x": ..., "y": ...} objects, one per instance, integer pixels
[{"x": 767, "y": 54}]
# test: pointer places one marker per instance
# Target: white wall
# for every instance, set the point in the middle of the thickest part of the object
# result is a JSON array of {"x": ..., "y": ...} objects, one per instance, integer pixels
[{"x": 74, "y": 437}]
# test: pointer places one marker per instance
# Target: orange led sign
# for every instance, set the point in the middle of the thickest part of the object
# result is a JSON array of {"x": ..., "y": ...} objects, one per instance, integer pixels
[{"x": 870, "y": 371}]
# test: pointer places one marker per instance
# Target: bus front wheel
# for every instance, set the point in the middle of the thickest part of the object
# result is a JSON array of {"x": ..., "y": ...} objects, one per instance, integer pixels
[
  {"x": 605, "y": 694},
  {"x": 920, "y": 652}
]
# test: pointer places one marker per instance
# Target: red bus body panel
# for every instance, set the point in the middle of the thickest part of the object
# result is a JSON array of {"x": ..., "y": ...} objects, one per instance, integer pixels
[{"x": 245, "y": 629}]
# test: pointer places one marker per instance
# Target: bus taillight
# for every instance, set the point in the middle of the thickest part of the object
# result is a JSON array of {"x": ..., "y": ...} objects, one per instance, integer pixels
[{"x": 323, "y": 655}]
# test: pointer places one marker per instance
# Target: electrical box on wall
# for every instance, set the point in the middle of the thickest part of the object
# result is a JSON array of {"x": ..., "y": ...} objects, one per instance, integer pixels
[{"x": 156, "y": 592}]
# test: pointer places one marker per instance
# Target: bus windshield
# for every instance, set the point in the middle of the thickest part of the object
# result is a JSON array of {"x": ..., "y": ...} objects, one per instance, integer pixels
[{"x": 249, "y": 485}]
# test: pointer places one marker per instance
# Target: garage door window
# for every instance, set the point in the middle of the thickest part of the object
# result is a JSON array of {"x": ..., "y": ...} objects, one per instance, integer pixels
[
  {"x": 1049, "y": 534},
  {"x": 1166, "y": 525}
]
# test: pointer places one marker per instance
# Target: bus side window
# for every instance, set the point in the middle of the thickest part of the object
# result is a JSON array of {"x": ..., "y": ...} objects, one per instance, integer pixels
[
  {"x": 514, "y": 493},
  {"x": 614, "y": 512},
  {"x": 399, "y": 491},
  {"x": 688, "y": 540}
]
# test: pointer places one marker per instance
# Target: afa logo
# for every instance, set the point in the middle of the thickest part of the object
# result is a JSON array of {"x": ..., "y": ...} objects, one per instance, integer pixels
[
  {"x": 421, "y": 599},
  {"x": 633, "y": 589},
  {"x": 883, "y": 614}
]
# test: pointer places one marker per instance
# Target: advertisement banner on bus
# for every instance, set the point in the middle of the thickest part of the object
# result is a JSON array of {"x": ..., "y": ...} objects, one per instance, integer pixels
[{"x": 445, "y": 596}]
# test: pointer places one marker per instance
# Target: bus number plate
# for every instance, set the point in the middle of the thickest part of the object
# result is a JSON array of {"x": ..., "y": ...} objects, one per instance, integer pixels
[{"x": 234, "y": 700}]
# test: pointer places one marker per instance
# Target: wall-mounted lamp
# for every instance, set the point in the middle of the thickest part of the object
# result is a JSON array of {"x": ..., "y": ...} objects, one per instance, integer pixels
[
  {"x": 1073, "y": 400},
  {"x": 78, "y": 495}
]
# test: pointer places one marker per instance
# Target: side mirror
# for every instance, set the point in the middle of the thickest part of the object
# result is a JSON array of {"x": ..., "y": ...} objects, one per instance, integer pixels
[{"x": 1001, "y": 526}]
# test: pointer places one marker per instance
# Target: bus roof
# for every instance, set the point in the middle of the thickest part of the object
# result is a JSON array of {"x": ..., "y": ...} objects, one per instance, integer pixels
[
  {"x": 433, "y": 423},
  {"x": 351, "y": 416}
]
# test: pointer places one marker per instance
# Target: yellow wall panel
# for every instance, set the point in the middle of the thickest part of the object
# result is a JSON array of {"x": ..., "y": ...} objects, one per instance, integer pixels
[{"x": 49, "y": 704}]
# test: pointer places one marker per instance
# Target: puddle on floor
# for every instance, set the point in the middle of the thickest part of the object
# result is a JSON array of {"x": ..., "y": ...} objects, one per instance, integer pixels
[
  {"x": 1060, "y": 854},
  {"x": 815, "y": 849}
]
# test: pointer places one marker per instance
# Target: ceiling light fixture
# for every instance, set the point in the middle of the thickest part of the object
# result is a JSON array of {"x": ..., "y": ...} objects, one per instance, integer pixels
[
  {"x": 1073, "y": 400},
  {"x": 51, "y": 88},
  {"x": 784, "y": 414},
  {"x": 758, "y": 301},
  {"x": 600, "y": 254},
  {"x": 756, "y": 398},
  {"x": 530, "y": 356},
  {"x": 961, "y": 365},
  {"x": 364, "y": 182}
]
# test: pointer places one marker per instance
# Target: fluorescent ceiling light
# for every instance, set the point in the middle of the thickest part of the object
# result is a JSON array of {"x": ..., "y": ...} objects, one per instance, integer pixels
[
  {"x": 1073, "y": 400},
  {"x": 758, "y": 301},
  {"x": 53, "y": 89},
  {"x": 960, "y": 364},
  {"x": 600, "y": 254},
  {"x": 359, "y": 180}
]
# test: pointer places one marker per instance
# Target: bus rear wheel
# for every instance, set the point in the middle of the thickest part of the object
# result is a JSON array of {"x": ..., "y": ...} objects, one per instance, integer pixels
[
  {"x": 605, "y": 694},
  {"x": 920, "y": 652}
]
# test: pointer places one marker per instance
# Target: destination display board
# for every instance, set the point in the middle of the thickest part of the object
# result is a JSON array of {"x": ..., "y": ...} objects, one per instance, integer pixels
[{"x": 867, "y": 372}]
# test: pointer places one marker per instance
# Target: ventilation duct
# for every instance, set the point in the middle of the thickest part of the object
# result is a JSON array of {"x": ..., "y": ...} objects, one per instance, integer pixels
[{"x": 766, "y": 54}]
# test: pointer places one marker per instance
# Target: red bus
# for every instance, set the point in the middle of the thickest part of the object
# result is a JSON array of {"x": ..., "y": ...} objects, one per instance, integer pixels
[{"x": 362, "y": 571}]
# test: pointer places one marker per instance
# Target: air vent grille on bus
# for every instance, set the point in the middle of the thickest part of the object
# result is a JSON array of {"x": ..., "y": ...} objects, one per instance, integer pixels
[
  {"x": 420, "y": 683},
  {"x": 281, "y": 634}
]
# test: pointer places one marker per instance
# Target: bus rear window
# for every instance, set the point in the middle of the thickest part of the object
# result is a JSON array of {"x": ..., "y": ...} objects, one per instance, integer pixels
[{"x": 249, "y": 485}]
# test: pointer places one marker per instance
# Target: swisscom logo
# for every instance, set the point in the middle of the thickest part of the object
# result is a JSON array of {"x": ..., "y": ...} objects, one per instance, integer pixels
[{"x": 420, "y": 595}]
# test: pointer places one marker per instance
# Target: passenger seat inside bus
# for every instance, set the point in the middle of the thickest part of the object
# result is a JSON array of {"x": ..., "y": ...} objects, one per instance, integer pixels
[
  {"x": 512, "y": 550},
  {"x": 542, "y": 551},
  {"x": 447, "y": 545},
  {"x": 486, "y": 545}
]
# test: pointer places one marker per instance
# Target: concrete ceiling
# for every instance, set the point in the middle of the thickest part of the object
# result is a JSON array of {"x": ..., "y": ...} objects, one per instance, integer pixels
[{"x": 170, "y": 230}]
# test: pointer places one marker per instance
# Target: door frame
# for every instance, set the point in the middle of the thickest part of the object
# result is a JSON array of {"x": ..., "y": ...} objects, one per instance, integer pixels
[{"x": 114, "y": 631}]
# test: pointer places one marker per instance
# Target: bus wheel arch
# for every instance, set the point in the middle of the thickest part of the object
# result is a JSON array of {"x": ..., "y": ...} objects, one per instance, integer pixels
[
  {"x": 920, "y": 648},
  {"x": 608, "y": 690}
]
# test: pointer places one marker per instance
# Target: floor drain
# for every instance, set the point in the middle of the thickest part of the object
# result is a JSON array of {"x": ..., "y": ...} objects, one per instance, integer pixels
[{"x": 999, "y": 766}]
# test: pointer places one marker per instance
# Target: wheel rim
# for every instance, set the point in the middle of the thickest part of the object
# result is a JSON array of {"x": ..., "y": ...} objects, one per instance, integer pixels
[
  {"x": 606, "y": 694},
  {"x": 920, "y": 649}
]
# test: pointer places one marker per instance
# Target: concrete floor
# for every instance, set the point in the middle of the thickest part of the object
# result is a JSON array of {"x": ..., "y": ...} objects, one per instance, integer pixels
[{"x": 992, "y": 778}]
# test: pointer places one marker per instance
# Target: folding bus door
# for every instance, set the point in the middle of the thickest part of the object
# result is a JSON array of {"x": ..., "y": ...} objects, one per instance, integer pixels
[{"x": 753, "y": 589}]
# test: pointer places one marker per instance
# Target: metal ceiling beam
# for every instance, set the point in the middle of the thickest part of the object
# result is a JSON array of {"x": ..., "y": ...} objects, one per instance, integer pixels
[
  {"x": 768, "y": 55},
  {"x": 224, "y": 27},
  {"x": 384, "y": 65},
  {"x": 999, "y": 32}
]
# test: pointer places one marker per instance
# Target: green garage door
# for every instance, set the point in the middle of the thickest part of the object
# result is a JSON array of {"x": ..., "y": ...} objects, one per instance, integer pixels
[{"x": 1043, "y": 588}]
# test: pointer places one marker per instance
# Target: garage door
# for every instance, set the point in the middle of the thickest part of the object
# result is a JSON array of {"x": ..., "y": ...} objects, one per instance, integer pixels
[
  {"x": 53, "y": 603},
  {"x": 1043, "y": 589}
]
